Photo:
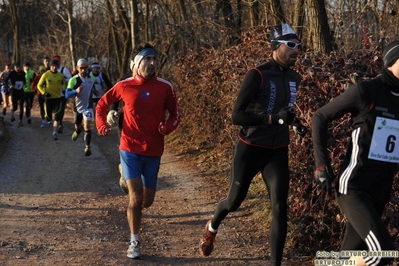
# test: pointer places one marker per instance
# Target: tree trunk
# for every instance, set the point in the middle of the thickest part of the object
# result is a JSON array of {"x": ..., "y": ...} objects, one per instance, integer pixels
[
  {"x": 198, "y": 8},
  {"x": 125, "y": 37},
  {"x": 277, "y": 12},
  {"x": 239, "y": 18},
  {"x": 299, "y": 17},
  {"x": 254, "y": 13},
  {"x": 187, "y": 27},
  {"x": 183, "y": 11},
  {"x": 69, "y": 11},
  {"x": 227, "y": 12},
  {"x": 147, "y": 21},
  {"x": 114, "y": 37},
  {"x": 322, "y": 38},
  {"x": 134, "y": 22},
  {"x": 12, "y": 8}
]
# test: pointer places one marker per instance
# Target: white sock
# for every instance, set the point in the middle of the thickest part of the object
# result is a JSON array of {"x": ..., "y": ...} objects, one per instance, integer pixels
[
  {"x": 211, "y": 229},
  {"x": 134, "y": 237}
]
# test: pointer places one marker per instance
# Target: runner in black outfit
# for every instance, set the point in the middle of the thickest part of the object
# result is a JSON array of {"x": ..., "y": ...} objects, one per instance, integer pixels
[
  {"x": 17, "y": 80},
  {"x": 264, "y": 110},
  {"x": 366, "y": 177}
]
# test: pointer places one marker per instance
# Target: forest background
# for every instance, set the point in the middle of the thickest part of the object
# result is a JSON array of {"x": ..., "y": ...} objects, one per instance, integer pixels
[{"x": 205, "y": 47}]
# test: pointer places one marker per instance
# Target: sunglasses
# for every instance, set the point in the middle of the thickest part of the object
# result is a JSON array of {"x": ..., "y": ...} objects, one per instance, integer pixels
[{"x": 291, "y": 45}]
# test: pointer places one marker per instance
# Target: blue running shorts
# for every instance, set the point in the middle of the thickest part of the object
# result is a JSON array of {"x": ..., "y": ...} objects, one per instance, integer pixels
[{"x": 134, "y": 165}]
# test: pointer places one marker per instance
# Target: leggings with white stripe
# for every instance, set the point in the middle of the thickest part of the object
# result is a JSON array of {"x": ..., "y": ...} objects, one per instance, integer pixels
[
  {"x": 273, "y": 165},
  {"x": 364, "y": 229}
]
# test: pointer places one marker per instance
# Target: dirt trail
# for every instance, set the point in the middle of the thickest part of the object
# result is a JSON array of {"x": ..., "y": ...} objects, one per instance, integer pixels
[{"x": 58, "y": 207}]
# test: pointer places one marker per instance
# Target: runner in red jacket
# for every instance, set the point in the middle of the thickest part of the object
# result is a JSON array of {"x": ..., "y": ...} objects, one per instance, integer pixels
[{"x": 147, "y": 99}]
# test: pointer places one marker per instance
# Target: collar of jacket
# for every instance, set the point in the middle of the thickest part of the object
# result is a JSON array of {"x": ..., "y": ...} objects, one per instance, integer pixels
[
  {"x": 278, "y": 66},
  {"x": 140, "y": 80}
]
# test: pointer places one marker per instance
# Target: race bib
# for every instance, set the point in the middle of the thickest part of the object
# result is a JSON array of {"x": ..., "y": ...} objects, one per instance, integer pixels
[
  {"x": 18, "y": 85},
  {"x": 384, "y": 142},
  {"x": 88, "y": 114}
]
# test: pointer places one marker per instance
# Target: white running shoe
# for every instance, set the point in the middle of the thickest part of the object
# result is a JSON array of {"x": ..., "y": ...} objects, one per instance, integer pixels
[
  {"x": 133, "y": 251},
  {"x": 54, "y": 135}
]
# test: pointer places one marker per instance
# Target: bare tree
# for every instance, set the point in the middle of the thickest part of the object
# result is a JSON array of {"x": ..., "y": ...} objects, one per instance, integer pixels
[
  {"x": 32, "y": 29},
  {"x": 322, "y": 40},
  {"x": 66, "y": 16},
  {"x": 254, "y": 13},
  {"x": 224, "y": 8},
  {"x": 120, "y": 34},
  {"x": 299, "y": 17},
  {"x": 277, "y": 11},
  {"x": 198, "y": 7},
  {"x": 239, "y": 17},
  {"x": 183, "y": 10},
  {"x": 12, "y": 10},
  {"x": 134, "y": 22}
]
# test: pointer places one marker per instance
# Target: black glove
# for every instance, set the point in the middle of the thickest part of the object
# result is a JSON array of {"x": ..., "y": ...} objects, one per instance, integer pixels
[
  {"x": 284, "y": 117},
  {"x": 324, "y": 177},
  {"x": 47, "y": 95},
  {"x": 299, "y": 128}
]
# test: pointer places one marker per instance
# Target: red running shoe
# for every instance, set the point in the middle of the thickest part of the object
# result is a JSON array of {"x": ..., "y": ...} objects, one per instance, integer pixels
[{"x": 206, "y": 243}]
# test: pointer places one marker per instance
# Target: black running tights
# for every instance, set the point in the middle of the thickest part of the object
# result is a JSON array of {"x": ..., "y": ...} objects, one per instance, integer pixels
[
  {"x": 365, "y": 229},
  {"x": 273, "y": 165}
]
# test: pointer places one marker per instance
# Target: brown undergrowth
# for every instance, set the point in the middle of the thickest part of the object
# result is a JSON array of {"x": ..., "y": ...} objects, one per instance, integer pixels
[{"x": 207, "y": 82}]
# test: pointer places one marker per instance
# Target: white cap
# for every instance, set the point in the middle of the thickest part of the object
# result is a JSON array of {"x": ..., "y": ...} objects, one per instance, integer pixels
[{"x": 82, "y": 61}]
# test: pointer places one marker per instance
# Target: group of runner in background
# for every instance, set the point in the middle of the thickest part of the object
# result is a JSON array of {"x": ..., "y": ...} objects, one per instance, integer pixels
[{"x": 50, "y": 84}]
